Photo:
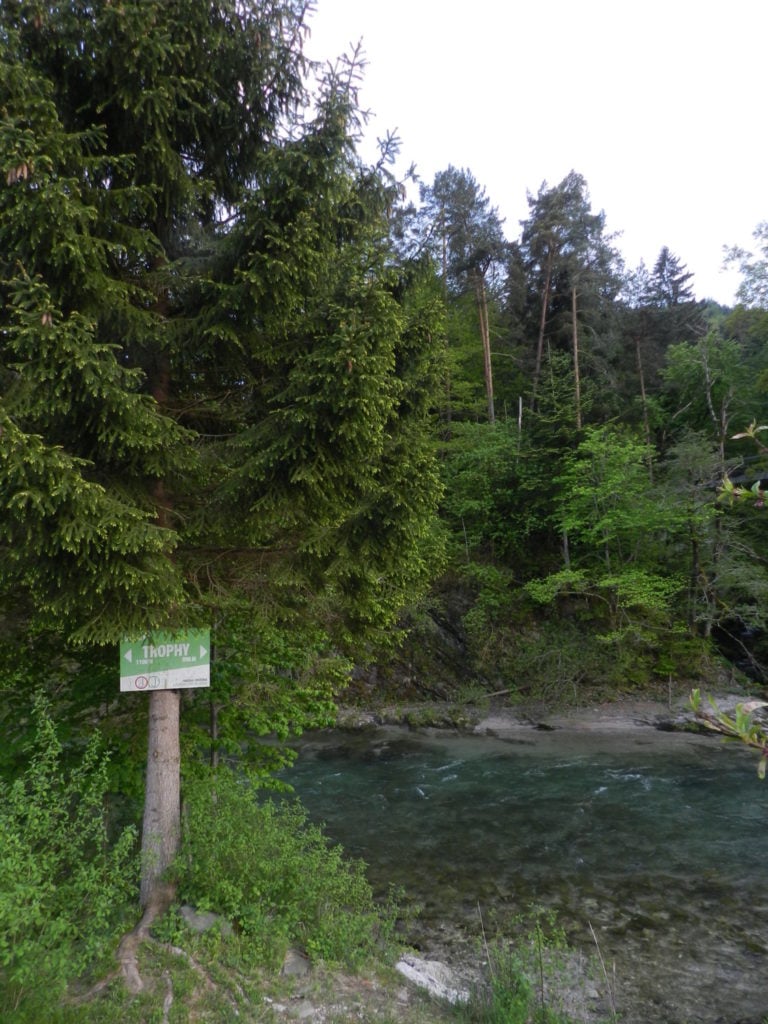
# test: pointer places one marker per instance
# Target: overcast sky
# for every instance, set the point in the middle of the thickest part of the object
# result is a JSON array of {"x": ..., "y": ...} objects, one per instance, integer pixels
[{"x": 661, "y": 105}]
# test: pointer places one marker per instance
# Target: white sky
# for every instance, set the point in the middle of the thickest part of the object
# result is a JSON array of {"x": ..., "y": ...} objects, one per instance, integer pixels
[{"x": 661, "y": 105}]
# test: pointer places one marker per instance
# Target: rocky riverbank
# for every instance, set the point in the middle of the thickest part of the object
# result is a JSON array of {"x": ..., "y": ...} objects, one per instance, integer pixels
[{"x": 508, "y": 721}]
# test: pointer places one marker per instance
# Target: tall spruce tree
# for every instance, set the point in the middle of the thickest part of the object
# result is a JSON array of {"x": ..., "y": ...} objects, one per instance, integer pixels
[
  {"x": 216, "y": 377},
  {"x": 660, "y": 310},
  {"x": 671, "y": 307}
]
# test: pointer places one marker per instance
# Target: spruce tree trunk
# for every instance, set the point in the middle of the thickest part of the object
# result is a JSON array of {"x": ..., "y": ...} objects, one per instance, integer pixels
[
  {"x": 161, "y": 830},
  {"x": 644, "y": 400},
  {"x": 161, "y": 833},
  {"x": 542, "y": 328},
  {"x": 576, "y": 367},
  {"x": 485, "y": 334}
]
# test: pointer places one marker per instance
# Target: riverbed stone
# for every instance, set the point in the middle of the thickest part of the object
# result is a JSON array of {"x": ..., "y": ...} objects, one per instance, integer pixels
[
  {"x": 204, "y": 920},
  {"x": 296, "y": 964},
  {"x": 436, "y": 977}
]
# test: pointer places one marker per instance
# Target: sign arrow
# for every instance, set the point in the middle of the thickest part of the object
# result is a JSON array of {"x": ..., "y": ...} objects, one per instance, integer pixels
[{"x": 165, "y": 661}]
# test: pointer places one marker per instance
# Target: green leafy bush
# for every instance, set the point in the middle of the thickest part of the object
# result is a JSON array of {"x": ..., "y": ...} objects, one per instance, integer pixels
[
  {"x": 276, "y": 876},
  {"x": 63, "y": 884}
]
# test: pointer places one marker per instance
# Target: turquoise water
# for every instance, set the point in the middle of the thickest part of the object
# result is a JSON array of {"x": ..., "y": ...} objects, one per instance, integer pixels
[{"x": 657, "y": 840}]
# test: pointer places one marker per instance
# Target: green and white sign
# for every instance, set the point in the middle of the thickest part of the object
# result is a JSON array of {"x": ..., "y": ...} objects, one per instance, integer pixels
[{"x": 166, "y": 661}]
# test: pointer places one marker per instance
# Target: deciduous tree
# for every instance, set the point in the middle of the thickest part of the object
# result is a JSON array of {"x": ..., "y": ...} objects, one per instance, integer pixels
[{"x": 753, "y": 290}]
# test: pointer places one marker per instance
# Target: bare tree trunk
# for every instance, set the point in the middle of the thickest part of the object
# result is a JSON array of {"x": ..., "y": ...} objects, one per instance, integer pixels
[
  {"x": 485, "y": 334},
  {"x": 215, "y": 709},
  {"x": 161, "y": 830},
  {"x": 644, "y": 402},
  {"x": 720, "y": 421},
  {"x": 444, "y": 267},
  {"x": 519, "y": 422},
  {"x": 542, "y": 327},
  {"x": 566, "y": 550},
  {"x": 444, "y": 254},
  {"x": 695, "y": 574},
  {"x": 161, "y": 833},
  {"x": 576, "y": 371}
]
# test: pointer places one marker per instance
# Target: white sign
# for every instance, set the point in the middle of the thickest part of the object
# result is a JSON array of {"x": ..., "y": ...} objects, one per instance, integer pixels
[{"x": 166, "y": 661}]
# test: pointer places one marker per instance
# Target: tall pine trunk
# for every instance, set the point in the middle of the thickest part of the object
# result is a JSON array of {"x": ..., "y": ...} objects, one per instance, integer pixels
[
  {"x": 161, "y": 832},
  {"x": 644, "y": 402},
  {"x": 485, "y": 334},
  {"x": 542, "y": 328},
  {"x": 576, "y": 368}
]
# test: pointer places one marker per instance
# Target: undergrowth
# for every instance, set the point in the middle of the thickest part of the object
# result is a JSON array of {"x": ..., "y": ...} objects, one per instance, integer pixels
[
  {"x": 276, "y": 877},
  {"x": 68, "y": 893},
  {"x": 65, "y": 886}
]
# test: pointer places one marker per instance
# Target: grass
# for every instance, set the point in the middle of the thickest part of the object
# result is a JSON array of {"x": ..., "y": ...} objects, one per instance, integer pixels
[
  {"x": 212, "y": 984},
  {"x": 533, "y": 978}
]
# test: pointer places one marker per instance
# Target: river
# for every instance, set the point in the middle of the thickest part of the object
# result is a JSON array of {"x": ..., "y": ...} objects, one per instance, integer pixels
[{"x": 656, "y": 840}]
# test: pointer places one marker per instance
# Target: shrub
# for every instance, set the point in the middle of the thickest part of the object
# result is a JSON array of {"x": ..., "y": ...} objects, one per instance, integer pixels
[
  {"x": 63, "y": 885},
  {"x": 276, "y": 876}
]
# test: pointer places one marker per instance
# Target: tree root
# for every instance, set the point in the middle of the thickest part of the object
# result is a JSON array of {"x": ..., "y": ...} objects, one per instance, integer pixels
[
  {"x": 168, "y": 1001},
  {"x": 127, "y": 950},
  {"x": 128, "y": 959},
  {"x": 127, "y": 955}
]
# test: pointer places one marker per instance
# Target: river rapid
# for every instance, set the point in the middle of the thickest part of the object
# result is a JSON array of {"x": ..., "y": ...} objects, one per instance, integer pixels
[{"x": 655, "y": 841}]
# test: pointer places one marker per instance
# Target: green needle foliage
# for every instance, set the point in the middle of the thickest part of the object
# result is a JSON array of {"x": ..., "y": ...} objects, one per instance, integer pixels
[{"x": 216, "y": 375}]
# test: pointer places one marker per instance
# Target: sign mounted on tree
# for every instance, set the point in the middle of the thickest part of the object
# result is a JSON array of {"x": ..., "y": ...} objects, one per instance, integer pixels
[{"x": 166, "y": 661}]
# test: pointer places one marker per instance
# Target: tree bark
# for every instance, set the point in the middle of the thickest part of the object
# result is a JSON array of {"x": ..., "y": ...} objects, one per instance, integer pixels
[
  {"x": 161, "y": 833},
  {"x": 485, "y": 334},
  {"x": 542, "y": 327},
  {"x": 576, "y": 370},
  {"x": 214, "y": 709},
  {"x": 644, "y": 400}
]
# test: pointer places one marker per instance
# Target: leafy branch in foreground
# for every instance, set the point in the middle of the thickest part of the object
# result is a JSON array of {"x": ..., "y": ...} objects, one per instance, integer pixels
[
  {"x": 741, "y": 726},
  {"x": 729, "y": 491}
]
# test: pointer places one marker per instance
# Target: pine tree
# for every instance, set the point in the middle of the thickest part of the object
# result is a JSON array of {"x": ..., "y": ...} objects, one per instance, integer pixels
[
  {"x": 674, "y": 313},
  {"x": 216, "y": 375},
  {"x": 469, "y": 246},
  {"x": 660, "y": 310},
  {"x": 572, "y": 273},
  {"x": 572, "y": 278}
]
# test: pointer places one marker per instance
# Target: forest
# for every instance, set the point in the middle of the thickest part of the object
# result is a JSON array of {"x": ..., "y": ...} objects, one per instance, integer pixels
[
  {"x": 248, "y": 387},
  {"x": 596, "y": 426}
]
